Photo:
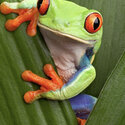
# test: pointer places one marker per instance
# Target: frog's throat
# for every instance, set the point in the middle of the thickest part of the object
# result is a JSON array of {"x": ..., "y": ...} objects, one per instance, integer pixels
[
  {"x": 89, "y": 42},
  {"x": 65, "y": 51}
]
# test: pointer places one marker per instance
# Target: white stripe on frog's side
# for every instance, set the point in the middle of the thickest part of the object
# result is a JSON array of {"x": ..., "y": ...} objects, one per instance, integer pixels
[{"x": 65, "y": 51}]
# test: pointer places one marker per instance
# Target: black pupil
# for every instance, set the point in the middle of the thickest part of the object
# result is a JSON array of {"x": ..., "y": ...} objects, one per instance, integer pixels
[
  {"x": 39, "y": 4},
  {"x": 96, "y": 23}
]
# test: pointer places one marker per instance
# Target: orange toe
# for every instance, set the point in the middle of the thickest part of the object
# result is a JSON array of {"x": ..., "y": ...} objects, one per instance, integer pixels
[
  {"x": 11, "y": 25},
  {"x": 81, "y": 121},
  {"x": 31, "y": 31},
  {"x": 49, "y": 71},
  {"x": 5, "y": 9},
  {"x": 26, "y": 75},
  {"x": 29, "y": 97},
  {"x": 31, "y": 77},
  {"x": 48, "y": 68}
]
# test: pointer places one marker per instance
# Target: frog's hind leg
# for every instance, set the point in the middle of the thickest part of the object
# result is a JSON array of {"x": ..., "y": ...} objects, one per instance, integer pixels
[
  {"x": 82, "y": 105},
  {"x": 46, "y": 85},
  {"x": 24, "y": 15},
  {"x": 81, "y": 121}
]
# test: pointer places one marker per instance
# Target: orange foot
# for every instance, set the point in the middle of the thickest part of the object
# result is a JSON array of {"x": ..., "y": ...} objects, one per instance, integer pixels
[
  {"x": 46, "y": 85},
  {"x": 24, "y": 15},
  {"x": 81, "y": 121}
]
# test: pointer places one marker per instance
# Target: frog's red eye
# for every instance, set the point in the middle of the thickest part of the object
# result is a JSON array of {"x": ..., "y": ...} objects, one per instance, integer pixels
[
  {"x": 93, "y": 22},
  {"x": 43, "y": 6}
]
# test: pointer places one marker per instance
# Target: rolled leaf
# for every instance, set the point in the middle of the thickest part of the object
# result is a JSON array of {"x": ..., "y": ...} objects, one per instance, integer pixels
[
  {"x": 110, "y": 108},
  {"x": 19, "y": 52}
]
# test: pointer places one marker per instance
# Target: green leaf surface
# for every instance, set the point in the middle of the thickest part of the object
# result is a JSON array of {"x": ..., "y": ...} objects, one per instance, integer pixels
[
  {"x": 110, "y": 108},
  {"x": 19, "y": 52}
]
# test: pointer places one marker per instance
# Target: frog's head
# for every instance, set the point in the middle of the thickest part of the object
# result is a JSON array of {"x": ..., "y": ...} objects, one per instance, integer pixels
[{"x": 71, "y": 20}]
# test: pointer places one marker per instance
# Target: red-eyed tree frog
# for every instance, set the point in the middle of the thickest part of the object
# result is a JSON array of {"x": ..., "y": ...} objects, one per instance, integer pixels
[{"x": 73, "y": 35}]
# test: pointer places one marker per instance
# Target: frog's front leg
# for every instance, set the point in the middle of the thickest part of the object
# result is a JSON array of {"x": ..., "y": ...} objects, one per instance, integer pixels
[
  {"x": 46, "y": 85},
  {"x": 81, "y": 79},
  {"x": 26, "y": 13},
  {"x": 55, "y": 89}
]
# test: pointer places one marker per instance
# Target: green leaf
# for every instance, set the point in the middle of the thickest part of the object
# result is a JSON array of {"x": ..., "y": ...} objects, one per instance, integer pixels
[
  {"x": 110, "y": 108},
  {"x": 19, "y": 52}
]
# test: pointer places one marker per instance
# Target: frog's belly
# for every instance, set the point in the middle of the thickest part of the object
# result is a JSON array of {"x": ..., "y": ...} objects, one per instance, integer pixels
[{"x": 66, "y": 74}]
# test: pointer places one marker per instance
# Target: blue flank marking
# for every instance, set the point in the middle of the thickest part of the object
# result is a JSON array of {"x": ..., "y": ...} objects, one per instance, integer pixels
[
  {"x": 84, "y": 62},
  {"x": 82, "y": 105},
  {"x": 89, "y": 53}
]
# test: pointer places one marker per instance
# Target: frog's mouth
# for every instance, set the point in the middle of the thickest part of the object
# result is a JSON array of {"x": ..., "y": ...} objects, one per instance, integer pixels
[{"x": 90, "y": 42}]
